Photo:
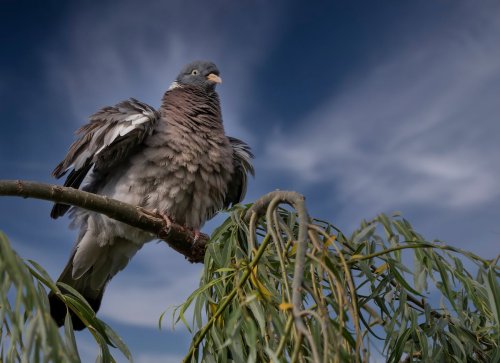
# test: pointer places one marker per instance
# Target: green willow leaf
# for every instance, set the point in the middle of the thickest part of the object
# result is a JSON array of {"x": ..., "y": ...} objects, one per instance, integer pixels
[
  {"x": 493, "y": 289},
  {"x": 355, "y": 296}
]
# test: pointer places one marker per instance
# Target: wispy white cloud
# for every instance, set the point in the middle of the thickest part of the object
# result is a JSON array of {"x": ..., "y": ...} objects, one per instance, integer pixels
[
  {"x": 418, "y": 129},
  {"x": 119, "y": 51}
]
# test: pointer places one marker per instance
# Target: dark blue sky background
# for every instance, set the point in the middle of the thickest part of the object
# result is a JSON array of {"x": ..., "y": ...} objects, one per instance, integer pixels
[{"x": 362, "y": 106}]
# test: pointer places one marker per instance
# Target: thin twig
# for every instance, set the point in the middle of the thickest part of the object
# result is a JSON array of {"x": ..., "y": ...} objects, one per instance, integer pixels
[{"x": 269, "y": 202}]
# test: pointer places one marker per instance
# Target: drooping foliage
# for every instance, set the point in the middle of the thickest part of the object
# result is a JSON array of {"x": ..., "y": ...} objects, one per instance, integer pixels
[
  {"x": 382, "y": 291},
  {"x": 279, "y": 286},
  {"x": 27, "y": 331}
]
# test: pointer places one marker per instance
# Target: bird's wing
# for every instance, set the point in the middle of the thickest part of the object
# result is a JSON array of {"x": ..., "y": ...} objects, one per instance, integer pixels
[
  {"x": 242, "y": 161},
  {"x": 110, "y": 137}
]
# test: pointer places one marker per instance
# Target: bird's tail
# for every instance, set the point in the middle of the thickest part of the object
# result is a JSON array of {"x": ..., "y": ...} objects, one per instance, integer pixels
[
  {"x": 82, "y": 284},
  {"x": 91, "y": 266}
]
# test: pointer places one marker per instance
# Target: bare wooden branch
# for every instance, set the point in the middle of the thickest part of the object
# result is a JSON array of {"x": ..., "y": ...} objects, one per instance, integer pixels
[{"x": 177, "y": 237}]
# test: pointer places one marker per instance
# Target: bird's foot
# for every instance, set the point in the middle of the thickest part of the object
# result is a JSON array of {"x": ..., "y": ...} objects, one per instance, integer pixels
[
  {"x": 149, "y": 212},
  {"x": 196, "y": 235},
  {"x": 155, "y": 213},
  {"x": 167, "y": 220}
]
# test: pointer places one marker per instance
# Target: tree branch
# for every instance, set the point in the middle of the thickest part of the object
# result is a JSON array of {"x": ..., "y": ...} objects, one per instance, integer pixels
[
  {"x": 268, "y": 203},
  {"x": 177, "y": 236}
]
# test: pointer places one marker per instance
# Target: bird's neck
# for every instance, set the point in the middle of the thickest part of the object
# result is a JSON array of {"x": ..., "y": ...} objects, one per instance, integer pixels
[{"x": 192, "y": 105}]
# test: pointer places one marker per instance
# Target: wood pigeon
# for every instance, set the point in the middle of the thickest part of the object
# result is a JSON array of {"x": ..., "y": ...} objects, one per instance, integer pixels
[{"x": 176, "y": 160}]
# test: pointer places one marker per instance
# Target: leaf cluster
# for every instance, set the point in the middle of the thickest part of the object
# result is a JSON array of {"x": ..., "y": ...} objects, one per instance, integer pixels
[
  {"x": 27, "y": 331},
  {"x": 383, "y": 288},
  {"x": 280, "y": 287}
]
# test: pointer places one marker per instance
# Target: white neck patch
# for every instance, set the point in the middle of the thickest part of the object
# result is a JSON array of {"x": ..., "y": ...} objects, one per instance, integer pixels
[{"x": 174, "y": 84}]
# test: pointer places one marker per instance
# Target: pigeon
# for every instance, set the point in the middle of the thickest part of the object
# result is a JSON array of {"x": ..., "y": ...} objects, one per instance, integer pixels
[{"x": 176, "y": 160}]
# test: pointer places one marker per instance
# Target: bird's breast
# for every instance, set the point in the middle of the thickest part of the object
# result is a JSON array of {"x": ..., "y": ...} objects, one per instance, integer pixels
[{"x": 184, "y": 174}]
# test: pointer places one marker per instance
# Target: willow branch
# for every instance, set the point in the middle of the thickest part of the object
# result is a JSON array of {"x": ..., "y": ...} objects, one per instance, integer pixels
[
  {"x": 177, "y": 236},
  {"x": 269, "y": 203}
]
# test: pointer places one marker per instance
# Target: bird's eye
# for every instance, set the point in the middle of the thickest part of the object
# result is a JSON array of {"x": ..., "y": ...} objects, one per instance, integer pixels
[{"x": 194, "y": 72}]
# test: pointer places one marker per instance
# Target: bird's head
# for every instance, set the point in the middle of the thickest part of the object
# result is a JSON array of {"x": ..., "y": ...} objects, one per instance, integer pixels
[{"x": 200, "y": 74}]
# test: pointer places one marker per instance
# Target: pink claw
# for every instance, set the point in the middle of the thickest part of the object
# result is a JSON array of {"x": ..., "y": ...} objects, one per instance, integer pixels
[
  {"x": 196, "y": 235},
  {"x": 167, "y": 219}
]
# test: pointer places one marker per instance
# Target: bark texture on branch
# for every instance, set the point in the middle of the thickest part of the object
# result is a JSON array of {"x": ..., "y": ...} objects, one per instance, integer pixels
[{"x": 177, "y": 237}]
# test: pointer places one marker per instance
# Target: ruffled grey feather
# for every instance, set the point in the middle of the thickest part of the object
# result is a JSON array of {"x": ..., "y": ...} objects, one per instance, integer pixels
[
  {"x": 111, "y": 136},
  {"x": 242, "y": 161}
]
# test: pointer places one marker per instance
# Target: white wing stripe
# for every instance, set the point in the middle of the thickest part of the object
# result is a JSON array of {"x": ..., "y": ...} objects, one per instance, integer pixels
[
  {"x": 121, "y": 130},
  {"x": 141, "y": 120},
  {"x": 126, "y": 130},
  {"x": 133, "y": 117}
]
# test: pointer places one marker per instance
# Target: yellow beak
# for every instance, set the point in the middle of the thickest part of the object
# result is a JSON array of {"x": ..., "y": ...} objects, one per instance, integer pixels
[{"x": 214, "y": 78}]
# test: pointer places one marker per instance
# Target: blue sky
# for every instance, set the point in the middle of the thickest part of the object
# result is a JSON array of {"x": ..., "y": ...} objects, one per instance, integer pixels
[{"x": 362, "y": 106}]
